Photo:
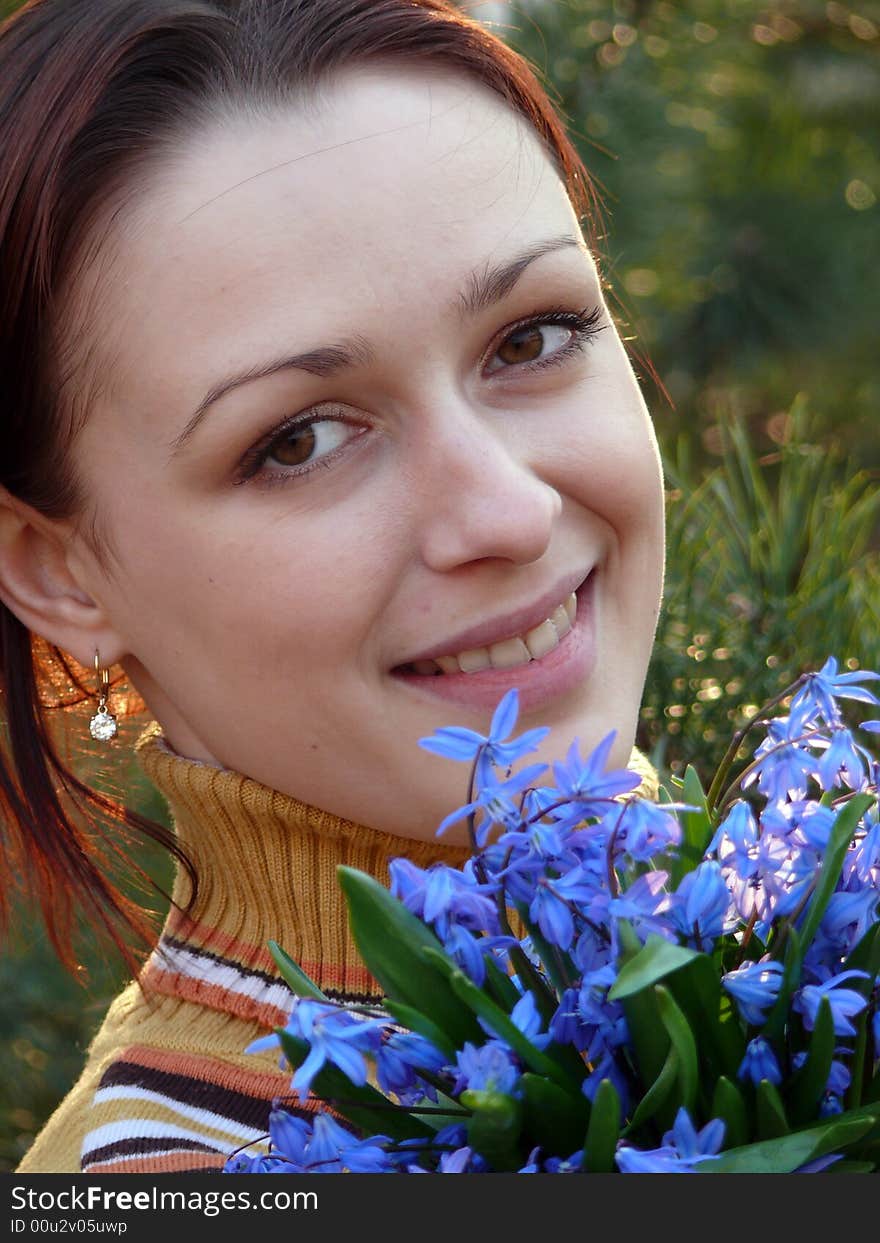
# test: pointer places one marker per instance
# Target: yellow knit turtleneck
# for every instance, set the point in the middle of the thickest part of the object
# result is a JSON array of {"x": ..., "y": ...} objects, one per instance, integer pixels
[{"x": 168, "y": 1085}]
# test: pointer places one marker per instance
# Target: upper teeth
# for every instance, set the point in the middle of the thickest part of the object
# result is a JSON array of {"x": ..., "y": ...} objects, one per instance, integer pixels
[{"x": 507, "y": 653}]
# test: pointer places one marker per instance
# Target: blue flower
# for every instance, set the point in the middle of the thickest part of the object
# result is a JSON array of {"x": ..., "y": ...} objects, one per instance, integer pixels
[
  {"x": 532, "y": 1166},
  {"x": 455, "y": 1162},
  {"x": 841, "y": 762},
  {"x": 490, "y": 1068},
  {"x": 290, "y": 1137},
  {"x": 497, "y": 801},
  {"x": 565, "y": 1165},
  {"x": 755, "y": 987},
  {"x": 443, "y": 895},
  {"x": 682, "y": 1148},
  {"x": 566, "y": 1025},
  {"x": 830, "y": 1105},
  {"x": 457, "y": 743},
  {"x": 735, "y": 840},
  {"x": 691, "y": 1144},
  {"x": 551, "y": 906},
  {"x": 332, "y": 1035},
  {"x": 400, "y": 1059},
  {"x": 821, "y": 689},
  {"x": 333, "y": 1150},
  {"x": 586, "y": 785},
  {"x": 848, "y": 916},
  {"x": 759, "y": 1063},
  {"x": 645, "y": 904},
  {"x": 664, "y": 1160},
  {"x": 647, "y": 829},
  {"x": 845, "y": 1002},
  {"x": 701, "y": 904},
  {"x": 525, "y": 1018}
]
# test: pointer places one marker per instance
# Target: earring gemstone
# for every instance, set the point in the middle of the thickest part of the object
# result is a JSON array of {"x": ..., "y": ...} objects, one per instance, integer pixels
[{"x": 103, "y": 726}]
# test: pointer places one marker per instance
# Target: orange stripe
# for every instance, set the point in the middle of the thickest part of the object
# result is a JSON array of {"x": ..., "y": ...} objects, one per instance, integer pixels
[
  {"x": 355, "y": 976},
  {"x": 214, "y": 996},
  {"x": 262, "y": 1084},
  {"x": 170, "y": 1163}
]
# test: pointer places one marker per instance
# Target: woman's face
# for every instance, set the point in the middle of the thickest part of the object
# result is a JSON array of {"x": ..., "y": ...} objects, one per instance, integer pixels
[{"x": 460, "y": 446}]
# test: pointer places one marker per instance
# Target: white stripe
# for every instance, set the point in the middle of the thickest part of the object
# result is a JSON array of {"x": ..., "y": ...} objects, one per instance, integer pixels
[
  {"x": 141, "y": 1128},
  {"x": 219, "y": 1122},
  {"x": 238, "y": 980}
]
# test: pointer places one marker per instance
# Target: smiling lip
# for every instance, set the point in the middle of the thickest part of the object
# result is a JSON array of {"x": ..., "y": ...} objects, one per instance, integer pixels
[
  {"x": 516, "y": 623},
  {"x": 540, "y": 682}
]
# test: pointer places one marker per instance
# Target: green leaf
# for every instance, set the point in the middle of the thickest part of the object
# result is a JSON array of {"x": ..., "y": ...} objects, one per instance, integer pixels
[
  {"x": 771, "y": 1120},
  {"x": 496, "y": 1019},
  {"x": 728, "y": 1105},
  {"x": 362, "y": 1105},
  {"x": 657, "y": 1094},
  {"x": 293, "y": 975},
  {"x": 653, "y": 962},
  {"x": 647, "y": 1033},
  {"x": 554, "y": 1119},
  {"x": 852, "y": 1167},
  {"x": 832, "y": 862},
  {"x": 683, "y": 1042},
  {"x": 603, "y": 1131},
  {"x": 494, "y": 1128},
  {"x": 696, "y": 828},
  {"x": 807, "y": 1086},
  {"x": 719, "y": 1037},
  {"x": 503, "y": 988},
  {"x": 790, "y": 1152},
  {"x": 791, "y": 974},
  {"x": 391, "y": 940},
  {"x": 417, "y": 1022}
]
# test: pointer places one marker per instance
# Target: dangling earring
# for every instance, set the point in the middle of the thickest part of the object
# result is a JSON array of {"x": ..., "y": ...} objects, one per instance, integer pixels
[{"x": 103, "y": 725}]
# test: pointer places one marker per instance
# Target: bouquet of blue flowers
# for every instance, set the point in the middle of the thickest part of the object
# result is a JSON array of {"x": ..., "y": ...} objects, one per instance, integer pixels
[{"x": 611, "y": 983}]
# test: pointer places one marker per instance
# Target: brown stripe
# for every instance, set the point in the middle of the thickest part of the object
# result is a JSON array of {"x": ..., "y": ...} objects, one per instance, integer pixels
[
  {"x": 170, "y": 1163},
  {"x": 146, "y": 1145},
  {"x": 225, "y": 1101}
]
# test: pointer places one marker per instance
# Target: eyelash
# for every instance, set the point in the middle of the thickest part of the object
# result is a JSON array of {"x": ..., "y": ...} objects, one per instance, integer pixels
[{"x": 584, "y": 325}]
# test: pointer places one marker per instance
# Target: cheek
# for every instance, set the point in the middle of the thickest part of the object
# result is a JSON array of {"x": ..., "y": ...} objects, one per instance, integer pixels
[
  {"x": 608, "y": 461},
  {"x": 302, "y": 589}
]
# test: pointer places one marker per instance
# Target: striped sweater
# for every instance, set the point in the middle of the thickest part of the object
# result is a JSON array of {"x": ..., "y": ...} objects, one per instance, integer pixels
[{"x": 167, "y": 1086}]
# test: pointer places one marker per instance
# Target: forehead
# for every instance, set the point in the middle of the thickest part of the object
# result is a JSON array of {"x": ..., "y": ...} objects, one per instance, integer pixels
[{"x": 390, "y": 184}]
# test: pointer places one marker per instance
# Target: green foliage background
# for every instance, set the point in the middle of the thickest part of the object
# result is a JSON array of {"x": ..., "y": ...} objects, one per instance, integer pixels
[{"x": 736, "y": 148}]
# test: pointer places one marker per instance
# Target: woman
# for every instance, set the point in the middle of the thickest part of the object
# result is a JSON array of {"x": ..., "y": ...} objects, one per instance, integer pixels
[{"x": 324, "y": 436}]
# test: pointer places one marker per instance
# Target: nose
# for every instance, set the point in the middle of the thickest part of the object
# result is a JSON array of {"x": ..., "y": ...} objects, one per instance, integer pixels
[{"x": 481, "y": 499}]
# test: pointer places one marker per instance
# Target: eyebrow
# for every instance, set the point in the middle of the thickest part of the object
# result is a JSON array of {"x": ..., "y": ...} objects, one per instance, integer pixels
[{"x": 483, "y": 289}]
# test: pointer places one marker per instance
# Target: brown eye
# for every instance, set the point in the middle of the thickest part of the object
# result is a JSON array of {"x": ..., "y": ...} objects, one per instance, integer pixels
[
  {"x": 522, "y": 346},
  {"x": 295, "y": 447},
  {"x": 531, "y": 342}
]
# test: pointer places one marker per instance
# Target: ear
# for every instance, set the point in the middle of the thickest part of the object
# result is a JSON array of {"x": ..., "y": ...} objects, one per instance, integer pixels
[{"x": 39, "y": 585}]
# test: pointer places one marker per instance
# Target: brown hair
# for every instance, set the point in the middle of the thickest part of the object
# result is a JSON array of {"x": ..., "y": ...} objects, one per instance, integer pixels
[{"x": 93, "y": 95}]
